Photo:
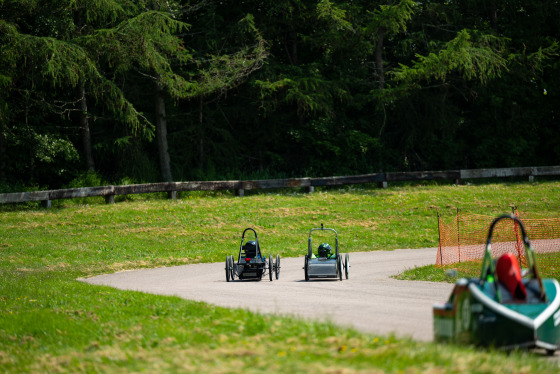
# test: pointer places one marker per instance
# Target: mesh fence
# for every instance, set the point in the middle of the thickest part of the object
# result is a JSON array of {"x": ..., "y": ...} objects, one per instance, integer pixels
[{"x": 464, "y": 237}]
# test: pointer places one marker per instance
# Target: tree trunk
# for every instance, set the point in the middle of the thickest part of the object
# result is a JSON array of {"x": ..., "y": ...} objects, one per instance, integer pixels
[
  {"x": 291, "y": 47},
  {"x": 295, "y": 58},
  {"x": 379, "y": 59},
  {"x": 494, "y": 16},
  {"x": 201, "y": 140},
  {"x": 161, "y": 133},
  {"x": 2, "y": 156},
  {"x": 84, "y": 128}
]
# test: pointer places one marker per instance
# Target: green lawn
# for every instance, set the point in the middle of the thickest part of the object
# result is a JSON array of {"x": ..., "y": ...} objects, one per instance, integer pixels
[
  {"x": 472, "y": 269},
  {"x": 49, "y": 322}
]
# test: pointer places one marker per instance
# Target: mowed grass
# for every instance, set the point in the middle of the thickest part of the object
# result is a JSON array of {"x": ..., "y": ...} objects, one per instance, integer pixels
[
  {"x": 472, "y": 269},
  {"x": 49, "y": 322}
]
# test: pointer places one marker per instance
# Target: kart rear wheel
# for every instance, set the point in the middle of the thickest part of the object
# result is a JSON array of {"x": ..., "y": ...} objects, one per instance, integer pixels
[
  {"x": 347, "y": 265},
  {"x": 305, "y": 266},
  {"x": 270, "y": 267},
  {"x": 228, "y": 272},
  {"x": 339, "y": 266},
  {"x": 277, "y": 267}
]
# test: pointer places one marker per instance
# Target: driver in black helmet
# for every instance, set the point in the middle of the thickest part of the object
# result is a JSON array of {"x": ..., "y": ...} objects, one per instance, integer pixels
[{"x": 250, "y": 249}]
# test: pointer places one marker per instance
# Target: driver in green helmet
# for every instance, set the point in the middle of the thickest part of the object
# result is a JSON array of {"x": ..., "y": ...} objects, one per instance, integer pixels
[{"x": 324, "y": 250}]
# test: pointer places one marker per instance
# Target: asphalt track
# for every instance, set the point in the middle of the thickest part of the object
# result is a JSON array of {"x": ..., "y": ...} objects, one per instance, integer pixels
[{"x": 370, "y": 300}]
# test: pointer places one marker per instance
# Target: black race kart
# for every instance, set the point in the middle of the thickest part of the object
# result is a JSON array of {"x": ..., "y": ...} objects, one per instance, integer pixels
[{"x": 251, "y": 263}]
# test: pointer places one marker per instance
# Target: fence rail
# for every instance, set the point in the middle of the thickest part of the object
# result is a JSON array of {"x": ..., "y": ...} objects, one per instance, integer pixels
[{"x": 239, "y": 186}]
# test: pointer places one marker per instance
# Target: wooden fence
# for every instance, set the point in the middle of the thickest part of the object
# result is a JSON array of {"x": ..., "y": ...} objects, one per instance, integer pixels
[{"x": 239, "y": 186}]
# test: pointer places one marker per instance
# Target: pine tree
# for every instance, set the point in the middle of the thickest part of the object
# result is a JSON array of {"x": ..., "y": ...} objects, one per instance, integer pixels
[{"x": 65, "y": 54}]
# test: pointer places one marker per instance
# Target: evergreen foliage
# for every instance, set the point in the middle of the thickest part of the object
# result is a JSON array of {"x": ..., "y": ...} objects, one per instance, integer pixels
[{"x": 274, "y": 88}]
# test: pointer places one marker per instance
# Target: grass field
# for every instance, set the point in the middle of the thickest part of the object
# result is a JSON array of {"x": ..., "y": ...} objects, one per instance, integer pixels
[
  {"x": 470, "y": 269},
  {"x": 49, "y": 322}
]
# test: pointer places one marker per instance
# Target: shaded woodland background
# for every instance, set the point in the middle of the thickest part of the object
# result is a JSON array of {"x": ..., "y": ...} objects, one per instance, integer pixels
[{"x": 117, "y": 91}]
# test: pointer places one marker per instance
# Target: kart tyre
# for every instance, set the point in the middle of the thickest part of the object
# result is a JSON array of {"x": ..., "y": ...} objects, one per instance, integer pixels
[
  {"x": 347, "y": 265},
  {"x": 339, "y": 266},
  {"x": 228, "y": 272},
  {"x": 232, "y": 268},
  {"x": 277, "y": 267}
]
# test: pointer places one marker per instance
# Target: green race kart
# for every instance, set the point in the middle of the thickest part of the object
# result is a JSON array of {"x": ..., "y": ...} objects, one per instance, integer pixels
[{"x": 506, "y": 307}]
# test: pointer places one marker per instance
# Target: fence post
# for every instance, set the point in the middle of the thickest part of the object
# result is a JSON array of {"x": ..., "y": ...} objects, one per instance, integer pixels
[
  {"x": 518, "y": 240},
  {"x": 172, "y": 195},
  {"x": 46, "y": 204},
  {"x": 439, "y": 239},
  {"x": 458, "y": 237}
]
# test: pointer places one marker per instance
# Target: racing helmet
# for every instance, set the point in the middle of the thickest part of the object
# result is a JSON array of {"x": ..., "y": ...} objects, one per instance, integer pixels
[
  {"x": 250, "y": 248},
  {"x": 324, "y": 250}
]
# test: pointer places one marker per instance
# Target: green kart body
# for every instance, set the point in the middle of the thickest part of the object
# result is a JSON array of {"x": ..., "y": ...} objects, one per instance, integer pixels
[
  {"x": 474, "y": 316},
  {"x": 482, "y": 311}
]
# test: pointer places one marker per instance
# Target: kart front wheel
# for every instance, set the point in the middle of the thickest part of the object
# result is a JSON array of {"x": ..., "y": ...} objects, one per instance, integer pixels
[
  {"x": 228, "y": 272},
  {"x": 277, "y": 267},
  {"x": 347, "y": 265},
  {"x": 231, "y": 268},
  {"x": 270, "y": 267},
  {"x": 305, "y": 267}
]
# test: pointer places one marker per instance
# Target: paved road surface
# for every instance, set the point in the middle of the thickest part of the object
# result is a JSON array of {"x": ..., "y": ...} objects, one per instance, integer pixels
[{"x": 370, "y": 300}]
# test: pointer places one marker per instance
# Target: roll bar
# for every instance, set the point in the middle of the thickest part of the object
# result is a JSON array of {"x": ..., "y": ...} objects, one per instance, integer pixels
[{"x": 310, "y": 249}]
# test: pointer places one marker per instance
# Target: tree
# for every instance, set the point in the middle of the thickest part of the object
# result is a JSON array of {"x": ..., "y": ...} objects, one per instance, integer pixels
[
  {"x": 470, "y": 60},
  {"x": 228, "y": 49},
  {"x": 267, "y": 88},
  {"x": 77, "y": 52}
]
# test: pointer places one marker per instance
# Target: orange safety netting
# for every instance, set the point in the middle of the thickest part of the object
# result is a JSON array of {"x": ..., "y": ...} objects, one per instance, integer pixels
[{"x": 464, "y": 239}]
